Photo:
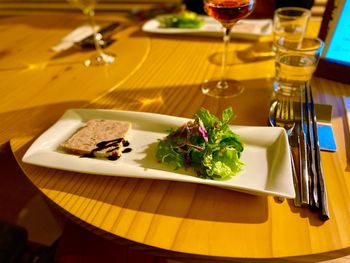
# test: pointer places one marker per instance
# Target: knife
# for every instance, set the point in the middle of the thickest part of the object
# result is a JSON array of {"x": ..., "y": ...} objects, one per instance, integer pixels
[
  {"x": 321, "y": 184},
  {"x": 304, "y": 180}
]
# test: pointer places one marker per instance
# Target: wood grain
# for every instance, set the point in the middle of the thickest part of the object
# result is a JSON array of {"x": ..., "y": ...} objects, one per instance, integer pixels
[{"x": 162, "y": 74}]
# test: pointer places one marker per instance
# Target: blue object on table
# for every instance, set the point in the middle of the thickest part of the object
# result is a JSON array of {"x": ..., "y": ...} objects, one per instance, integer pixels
[{"x": 326, "y": 138}]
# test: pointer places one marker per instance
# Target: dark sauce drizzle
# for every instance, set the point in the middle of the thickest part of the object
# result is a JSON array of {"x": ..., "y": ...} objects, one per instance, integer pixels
[
  {"x": 107, "y": 144},
  {"x": 127, "y": 150}
]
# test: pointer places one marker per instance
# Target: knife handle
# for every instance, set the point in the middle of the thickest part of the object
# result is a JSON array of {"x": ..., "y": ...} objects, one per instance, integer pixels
[
  {"x": 297, "y": 201},
  {"x": 304, "y": 175}
]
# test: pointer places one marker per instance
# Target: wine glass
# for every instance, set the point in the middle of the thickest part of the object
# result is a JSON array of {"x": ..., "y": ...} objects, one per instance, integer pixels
[
  {"x": 101, "y": 57},
  {"x": 227, "y": 12}
]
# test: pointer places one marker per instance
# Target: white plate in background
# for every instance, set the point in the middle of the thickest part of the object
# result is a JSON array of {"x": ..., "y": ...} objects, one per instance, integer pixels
[{"x": 245, "y": 28}]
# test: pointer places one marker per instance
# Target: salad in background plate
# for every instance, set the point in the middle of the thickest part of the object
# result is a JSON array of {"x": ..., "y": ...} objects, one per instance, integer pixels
[{"x": 193, "y": 24}]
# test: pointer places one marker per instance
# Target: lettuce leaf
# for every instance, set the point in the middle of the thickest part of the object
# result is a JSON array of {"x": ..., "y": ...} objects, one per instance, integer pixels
[{"x": 207, "y": 144}]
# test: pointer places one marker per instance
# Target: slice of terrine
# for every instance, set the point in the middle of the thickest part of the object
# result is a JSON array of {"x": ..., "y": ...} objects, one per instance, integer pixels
[{"x": 99, "y": 138}]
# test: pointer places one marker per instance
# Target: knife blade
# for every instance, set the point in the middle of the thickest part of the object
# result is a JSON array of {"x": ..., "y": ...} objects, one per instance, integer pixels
[{"x": 304, "y": 180}]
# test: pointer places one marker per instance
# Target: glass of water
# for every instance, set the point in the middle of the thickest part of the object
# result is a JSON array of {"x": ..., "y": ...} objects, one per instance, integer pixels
[
  {"x": 291, "y": 24},
  {"x": 295, "y": 65}
]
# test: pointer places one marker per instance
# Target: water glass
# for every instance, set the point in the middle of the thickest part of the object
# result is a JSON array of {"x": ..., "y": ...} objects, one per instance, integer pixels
[
  {"x": 295, "y": 65},
  {"x": 291, "y": 24}
]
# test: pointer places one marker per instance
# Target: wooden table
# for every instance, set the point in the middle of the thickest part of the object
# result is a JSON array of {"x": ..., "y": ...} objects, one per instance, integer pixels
[{"x": 162, "y": 74}]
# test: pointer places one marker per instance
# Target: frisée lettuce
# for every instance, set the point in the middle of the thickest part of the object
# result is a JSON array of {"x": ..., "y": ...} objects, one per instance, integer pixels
[{"x": 206, "y": 143}]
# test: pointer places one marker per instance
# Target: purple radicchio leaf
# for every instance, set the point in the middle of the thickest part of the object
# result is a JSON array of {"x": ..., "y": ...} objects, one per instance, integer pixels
[{"x": 203, "y": 131}]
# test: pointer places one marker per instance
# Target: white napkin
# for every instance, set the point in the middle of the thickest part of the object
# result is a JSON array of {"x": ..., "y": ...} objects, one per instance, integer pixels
[{"x": 76, "y": 35}]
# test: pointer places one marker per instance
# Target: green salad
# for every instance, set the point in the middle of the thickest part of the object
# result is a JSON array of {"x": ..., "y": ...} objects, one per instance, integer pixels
[
  {"x": 207, "y": 144},
  {"x": 184, "y": 19}
]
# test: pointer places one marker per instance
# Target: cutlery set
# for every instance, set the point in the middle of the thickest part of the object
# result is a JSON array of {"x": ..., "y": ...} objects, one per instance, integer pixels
[
  {"x": 309, "y": 184},
  {"x": 82, "y": 37},
  {"x": 105, "y": 34},
  {"x": 318, "y": 199}
]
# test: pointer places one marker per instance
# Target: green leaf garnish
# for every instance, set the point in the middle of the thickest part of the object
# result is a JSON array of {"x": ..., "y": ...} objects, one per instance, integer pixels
[
  {"x": 184, "y": 19},
  {"x": 207, "y": 144}
]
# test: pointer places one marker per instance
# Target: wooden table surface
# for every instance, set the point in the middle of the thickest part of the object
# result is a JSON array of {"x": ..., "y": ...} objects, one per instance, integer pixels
[{"x": 162, "y": 74}]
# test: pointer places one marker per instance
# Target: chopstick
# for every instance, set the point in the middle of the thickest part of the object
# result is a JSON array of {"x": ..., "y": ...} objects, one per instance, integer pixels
[
  {"x": 318, "y": 164},
  {"x": 314, "y": 203}
]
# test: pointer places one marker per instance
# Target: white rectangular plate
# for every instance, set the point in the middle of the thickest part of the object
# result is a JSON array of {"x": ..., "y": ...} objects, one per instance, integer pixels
[
  {"x": 267, "y": 169},
  {"x": 246, "y": 28}
]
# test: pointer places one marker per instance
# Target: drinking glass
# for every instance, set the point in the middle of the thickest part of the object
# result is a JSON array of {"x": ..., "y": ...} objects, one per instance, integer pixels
[
  {"x": 290, "y": 23},
  {"x": 227, "y": 12},
  {"x": 295, "y": 65},
  {"x": 100, "y": 57}
]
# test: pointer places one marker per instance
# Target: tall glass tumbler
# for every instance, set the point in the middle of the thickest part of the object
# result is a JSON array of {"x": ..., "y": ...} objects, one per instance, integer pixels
[
  {"x": 291, "y": 24},
  {"x": 295, "y": 65}
]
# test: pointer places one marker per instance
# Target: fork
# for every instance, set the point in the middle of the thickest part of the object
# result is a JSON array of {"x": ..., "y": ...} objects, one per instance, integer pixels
[{"x": 284, "y": 118}]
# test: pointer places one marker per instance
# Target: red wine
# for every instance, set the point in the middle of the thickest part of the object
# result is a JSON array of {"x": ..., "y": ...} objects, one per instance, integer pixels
[{"x": 229, "y": 12}]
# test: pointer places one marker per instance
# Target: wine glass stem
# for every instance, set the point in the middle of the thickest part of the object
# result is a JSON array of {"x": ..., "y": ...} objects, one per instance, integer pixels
[
  {"x": 227, "y": 34},
  {"x": 91, "y": 16}
]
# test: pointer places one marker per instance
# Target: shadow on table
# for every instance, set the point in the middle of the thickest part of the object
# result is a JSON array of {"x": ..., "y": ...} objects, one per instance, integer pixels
[
  {"x": 256, "y": 52},
  {"x": 34, "y": 120},
  {"x": 160, "y": 197},
  {"x": 251, "y": 107},
  {"x": 51, "y": 21}
]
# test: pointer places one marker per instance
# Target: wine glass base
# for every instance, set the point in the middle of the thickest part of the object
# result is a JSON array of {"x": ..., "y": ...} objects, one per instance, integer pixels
[
  {"x": 100, "y": 60},
  {"x": 231, "y": 88}
]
